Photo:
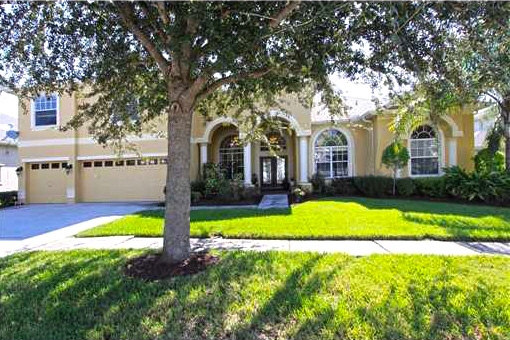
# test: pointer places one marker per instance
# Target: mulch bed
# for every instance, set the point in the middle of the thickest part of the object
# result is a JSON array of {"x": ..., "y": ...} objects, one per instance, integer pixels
[{"x": 149, "y": 267}]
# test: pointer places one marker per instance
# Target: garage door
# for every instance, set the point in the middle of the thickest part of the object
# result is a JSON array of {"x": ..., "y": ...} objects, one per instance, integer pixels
[
  {"x": 47, "y": 183},
  {"x": 122, "y": 180}
]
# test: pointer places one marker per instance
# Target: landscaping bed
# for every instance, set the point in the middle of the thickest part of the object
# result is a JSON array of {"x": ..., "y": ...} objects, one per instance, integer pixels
[
  {"x": 333, "y": 218},
  {"x": 251, "y": 295}
]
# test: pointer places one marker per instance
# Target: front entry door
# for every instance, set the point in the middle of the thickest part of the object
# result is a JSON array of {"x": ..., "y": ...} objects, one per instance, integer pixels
[{"x": 273, "y": 171}]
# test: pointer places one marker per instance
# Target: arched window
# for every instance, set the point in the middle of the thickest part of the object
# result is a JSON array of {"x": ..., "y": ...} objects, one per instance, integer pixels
[
  {"x": 424, "y": 146},
  {"x": 332, "y": 154},
  {"x": 231, "y": 157}
]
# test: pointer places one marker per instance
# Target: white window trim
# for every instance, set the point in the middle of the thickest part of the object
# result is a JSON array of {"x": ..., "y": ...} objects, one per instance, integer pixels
[
  {"x": 440, "y": 156},
  {"x": 350, "y": 151},
  {"x": 32, "y": 116}
]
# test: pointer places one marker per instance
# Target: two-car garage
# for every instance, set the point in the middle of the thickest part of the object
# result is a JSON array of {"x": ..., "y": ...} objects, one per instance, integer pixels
[
  {"x": 121, "y": 180},
  {"x": 98, "y": 180}
]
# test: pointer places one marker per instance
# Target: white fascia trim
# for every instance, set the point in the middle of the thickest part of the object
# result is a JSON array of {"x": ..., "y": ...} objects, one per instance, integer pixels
[
  {"x": 44, "y": 159},
  {"x": 80, "y": 141},
  {"x": 98, "y": 157}
]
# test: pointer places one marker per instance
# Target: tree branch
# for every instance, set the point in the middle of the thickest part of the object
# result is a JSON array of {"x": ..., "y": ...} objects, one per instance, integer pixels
[
  {"x": 163, "y": 14},
  {"x": 284, "y": 13},
  {"x": 229, "y": 80},
  {"x": 126, "y": 14}
]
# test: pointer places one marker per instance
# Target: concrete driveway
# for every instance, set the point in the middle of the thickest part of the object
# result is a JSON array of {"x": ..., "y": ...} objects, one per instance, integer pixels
[{"x": 20, "y": 223}]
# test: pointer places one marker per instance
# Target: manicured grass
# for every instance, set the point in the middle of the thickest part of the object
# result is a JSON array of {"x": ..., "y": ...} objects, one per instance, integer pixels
[
  {"x": 249, "y": 295},
  {"x": 345, "y": 218}
]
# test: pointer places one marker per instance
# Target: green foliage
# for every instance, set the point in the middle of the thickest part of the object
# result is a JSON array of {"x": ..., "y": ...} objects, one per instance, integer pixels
[
  {"x": 374, "y": 186},
  {"x": 318, "y": 183},
  {"x": 487, "y": 161},
  {"x": 431, "y": 187},
  {"x": 199, "y": 186},
  {"x": 196, "y": 196},
  {"x": 481, "y": 186},
  {"x": 405, "y": 187},
  {"x": 8, "y": 198},
  {"x": 333, "y": 218},
  {"x": 344, "y": 186},
  {"x": 395, "y": 156}
]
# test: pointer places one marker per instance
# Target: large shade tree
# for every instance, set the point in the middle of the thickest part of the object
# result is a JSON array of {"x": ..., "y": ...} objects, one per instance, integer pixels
[{"x": 181, "y": 58}]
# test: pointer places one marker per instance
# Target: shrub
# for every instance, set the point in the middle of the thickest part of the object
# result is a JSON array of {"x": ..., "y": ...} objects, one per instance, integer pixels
[
  {"x": 431, "y": 187},
  {"x": 405, "y": 187},
  {"x": 198, "y": 186},
  {"x": 486, "y": 161},
  {"x": 8, "y": 198},
  {"x": 318, "y": 184},
  {"x": 374, "y": 186},
  {"x": 195, "y": 196},
  {"x": 483, "y": 186},
  {"x": 344, "y": 186},
  {"x": 395, "y": 157},
  {"x": 298, "y": 194}
]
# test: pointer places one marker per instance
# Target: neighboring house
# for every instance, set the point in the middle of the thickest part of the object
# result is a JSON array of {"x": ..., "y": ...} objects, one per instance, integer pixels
[
  {"x": 8, "y": 141},
  {"x": 484, "y": 122},
  {"x": 70, "y": 167}
]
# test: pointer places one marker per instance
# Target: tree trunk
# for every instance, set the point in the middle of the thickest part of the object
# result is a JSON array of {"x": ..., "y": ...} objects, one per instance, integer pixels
[
  {"x": 506, "y": 134},
  {"x": 176, "y": 246},
  {"x": 395, "y": 181}
]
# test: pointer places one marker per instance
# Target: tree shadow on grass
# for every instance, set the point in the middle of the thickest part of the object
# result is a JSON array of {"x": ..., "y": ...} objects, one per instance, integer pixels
[
  {"x": 460, "y": 221},
  {"x": 219, "y": 214},
  {"x": 441, "y": 310}
]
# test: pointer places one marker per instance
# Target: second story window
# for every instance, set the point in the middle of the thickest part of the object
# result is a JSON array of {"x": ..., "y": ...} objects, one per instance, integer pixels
[{"x": 45, "y": 110}]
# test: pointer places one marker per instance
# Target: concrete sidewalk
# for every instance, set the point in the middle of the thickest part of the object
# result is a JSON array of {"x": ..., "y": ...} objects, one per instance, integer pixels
[{"x": 356, "y": 248}]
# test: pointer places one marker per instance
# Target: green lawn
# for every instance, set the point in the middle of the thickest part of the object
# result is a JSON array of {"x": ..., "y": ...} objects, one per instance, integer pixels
[
  {"x": 346, "y": 218},
  {"x": 251, "y": 295}
]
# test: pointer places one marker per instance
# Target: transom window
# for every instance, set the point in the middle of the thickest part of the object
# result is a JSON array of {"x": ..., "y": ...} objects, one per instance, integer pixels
[
  {"x": 424, "y": 151},
  {"x": 45, "y": 110},
  {"x": 276, "y": 141},
  {"x": 231, "y": 157},
  {"x": 332, "y": 154}
]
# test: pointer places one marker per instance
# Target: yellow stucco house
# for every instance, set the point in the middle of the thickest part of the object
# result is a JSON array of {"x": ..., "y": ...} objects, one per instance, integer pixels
[{"x": 70, "y": 166}]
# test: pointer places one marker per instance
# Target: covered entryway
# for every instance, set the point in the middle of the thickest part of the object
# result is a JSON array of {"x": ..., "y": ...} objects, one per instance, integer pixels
[
  {"x": 273, "y": 171},
  {"x": 122, "y": 180},
  {"x": 47, "y": 182}
]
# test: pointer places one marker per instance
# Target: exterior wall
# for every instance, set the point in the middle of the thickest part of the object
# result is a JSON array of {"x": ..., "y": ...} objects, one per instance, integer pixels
[
  {"x": 367, "y": 141},
  {"x": 8, "y": 165}
]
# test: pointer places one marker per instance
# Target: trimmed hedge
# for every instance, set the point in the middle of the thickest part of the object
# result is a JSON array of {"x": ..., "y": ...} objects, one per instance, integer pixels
[
  {"x": 8, "y": 198},
  {"x": 493, "y": 188}
]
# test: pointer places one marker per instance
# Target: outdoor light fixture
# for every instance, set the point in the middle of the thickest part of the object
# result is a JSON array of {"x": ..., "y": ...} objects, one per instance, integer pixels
[
  {"x": 19, "y": 170},
  {"x": 68, "y": 168}
]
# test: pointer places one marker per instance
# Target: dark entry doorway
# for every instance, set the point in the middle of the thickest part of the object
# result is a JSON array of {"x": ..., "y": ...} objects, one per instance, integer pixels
[{"x": 273, "y": 171}]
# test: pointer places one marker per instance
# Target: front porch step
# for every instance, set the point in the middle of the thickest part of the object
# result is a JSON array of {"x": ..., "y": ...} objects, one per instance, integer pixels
[{"x": 279, "y": 201}]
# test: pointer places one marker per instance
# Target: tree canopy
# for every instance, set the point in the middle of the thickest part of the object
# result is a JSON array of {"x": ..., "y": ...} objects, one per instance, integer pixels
[{"x": 180, "y": 58}]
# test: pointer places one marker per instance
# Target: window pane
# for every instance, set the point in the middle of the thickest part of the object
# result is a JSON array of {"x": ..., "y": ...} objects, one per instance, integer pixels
[
  {"x": 424, "y": 166},
  {"x": 34, "y": 167},
  {"x": 87, "y": 164},
  {"x": 98, "y": 164},
  {"x": 55, "y": 165},
  {"x": 340, "y": 169},
  {"x": 108, "y": 163},
  {"x": 45, "y": 166},
  {"x": 323, "y": 169},
  {"x": 130, "y": 162},
  {"x": 119, "y": 163}
]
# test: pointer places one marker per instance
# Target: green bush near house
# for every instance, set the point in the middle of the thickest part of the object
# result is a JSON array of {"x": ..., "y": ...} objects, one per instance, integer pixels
[
  {"x": 256, "y": 295},
  {"x": 8, "y": 198},
  {"x": 374, "y": 186}
]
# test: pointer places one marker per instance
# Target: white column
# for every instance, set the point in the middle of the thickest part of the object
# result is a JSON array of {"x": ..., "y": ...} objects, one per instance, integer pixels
[
  {"x": 452, "y": 152},
  {"x": 247, "y": 164},
  {"x": 203, "y": 155},
  {"x": 303, "y": 159}
]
